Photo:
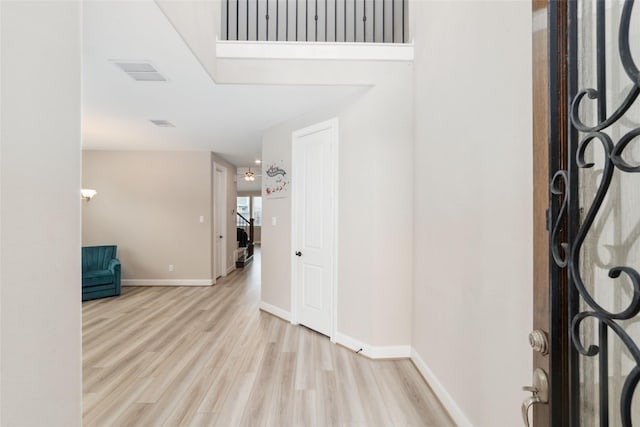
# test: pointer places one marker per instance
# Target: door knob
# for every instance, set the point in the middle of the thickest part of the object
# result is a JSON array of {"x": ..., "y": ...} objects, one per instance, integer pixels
[
  {"x": 539, "y": 393},
  {"x": 298, "y": 253}
]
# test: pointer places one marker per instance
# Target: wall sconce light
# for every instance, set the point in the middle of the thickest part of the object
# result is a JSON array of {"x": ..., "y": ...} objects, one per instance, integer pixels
[{"x": 87, "y": 194}]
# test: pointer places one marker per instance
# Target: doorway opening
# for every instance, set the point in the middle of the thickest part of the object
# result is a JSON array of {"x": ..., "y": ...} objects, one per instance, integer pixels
[{"x": 219, "y": 220}]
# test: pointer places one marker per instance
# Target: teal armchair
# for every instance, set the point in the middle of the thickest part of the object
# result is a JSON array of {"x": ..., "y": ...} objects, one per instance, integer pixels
[{"x": 100, "y": 272}]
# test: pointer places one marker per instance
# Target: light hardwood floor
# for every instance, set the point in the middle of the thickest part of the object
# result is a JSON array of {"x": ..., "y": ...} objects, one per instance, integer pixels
[{"x": 206, "y": 356}]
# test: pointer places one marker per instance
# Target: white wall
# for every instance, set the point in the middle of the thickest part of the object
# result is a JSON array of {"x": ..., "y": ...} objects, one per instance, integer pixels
[
  {"x": 276, "y": 239},
  {"x": 473, "y": 214},
  {"x": 249, "y": 186},
  {"x": 40, "y": 290},
  {"x": 374, "y": 217},
  {"x": 149, "y": 204},
  {"x": 197, "y": 22}
]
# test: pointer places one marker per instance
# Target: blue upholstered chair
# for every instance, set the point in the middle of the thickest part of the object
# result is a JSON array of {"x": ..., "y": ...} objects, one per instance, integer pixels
[{"x": 100, "y": 272}]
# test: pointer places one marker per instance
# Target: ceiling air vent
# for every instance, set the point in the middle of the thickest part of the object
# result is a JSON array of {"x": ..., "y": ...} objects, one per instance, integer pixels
[
  {"x": 141, "y": 71},
  {"x": 163, "y": 123}
]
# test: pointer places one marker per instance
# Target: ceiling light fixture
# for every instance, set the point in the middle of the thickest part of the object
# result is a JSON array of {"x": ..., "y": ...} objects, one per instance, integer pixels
[
  {"x": 258, "y": 161},
  {"x": 249, "y": 176}
]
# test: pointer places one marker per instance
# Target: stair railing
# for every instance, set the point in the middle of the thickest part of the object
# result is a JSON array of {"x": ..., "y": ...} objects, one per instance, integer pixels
[
  {"x": 248, "y": 227},
  {"x": 333, "y": 21}
]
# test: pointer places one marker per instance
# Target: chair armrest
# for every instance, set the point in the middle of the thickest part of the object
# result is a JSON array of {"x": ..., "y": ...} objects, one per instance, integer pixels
[{"x": 114, "y": 264}]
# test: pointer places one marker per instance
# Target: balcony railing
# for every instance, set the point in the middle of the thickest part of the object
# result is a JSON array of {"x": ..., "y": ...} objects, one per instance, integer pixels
[{"x": 342, "y": 21}]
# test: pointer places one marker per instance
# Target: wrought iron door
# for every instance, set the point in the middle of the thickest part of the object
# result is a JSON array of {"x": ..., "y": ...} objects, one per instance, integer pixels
[{"x": 595, "y": 214}]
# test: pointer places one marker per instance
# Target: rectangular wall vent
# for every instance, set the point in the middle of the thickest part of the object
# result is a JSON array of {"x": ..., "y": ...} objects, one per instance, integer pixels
[
  {"x": 141, "y": 71},
  {"x": 163, "y": 123}
]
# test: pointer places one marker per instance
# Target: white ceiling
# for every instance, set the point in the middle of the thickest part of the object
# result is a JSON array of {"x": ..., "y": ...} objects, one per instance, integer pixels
[{"x": 227, "y": 119}]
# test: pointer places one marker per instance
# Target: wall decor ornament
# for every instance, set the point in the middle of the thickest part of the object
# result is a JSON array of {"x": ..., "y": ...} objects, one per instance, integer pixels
[{"x": 276, "y": 180}]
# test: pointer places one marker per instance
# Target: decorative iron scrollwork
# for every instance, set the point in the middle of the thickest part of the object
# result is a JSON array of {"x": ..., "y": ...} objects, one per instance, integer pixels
[
  {"x": 560, "y": 250},
  {"x": 568, "y": 254}
]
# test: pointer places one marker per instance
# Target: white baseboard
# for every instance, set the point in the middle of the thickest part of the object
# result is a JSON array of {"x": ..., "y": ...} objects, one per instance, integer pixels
[
  {"x": 450, "y": 405},
  {"x": 278, "y": 312},
  {"x": 404, "y": 352},
  {"x": 231, "y": 268},
  {"x": 167, "y": 282},
  {"x": 371, "y": 351}
]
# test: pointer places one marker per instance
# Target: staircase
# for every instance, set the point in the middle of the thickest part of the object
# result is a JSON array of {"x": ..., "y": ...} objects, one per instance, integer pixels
[{"x": 245, "y": 238}]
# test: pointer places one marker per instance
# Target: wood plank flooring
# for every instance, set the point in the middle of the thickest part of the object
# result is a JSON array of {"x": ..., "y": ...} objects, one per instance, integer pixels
[{"x": 206, "y": 356}]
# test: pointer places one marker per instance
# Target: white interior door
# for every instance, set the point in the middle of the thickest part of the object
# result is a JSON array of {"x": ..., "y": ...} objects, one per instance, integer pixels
[
  {"x": 314, "y": 191},
  {"x": 219, "y": 220}
]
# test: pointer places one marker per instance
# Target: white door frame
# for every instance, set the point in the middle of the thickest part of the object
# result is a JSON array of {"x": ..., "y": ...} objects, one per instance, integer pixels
[
  {"x": 333, "y": 125},
  {"x": 220, "y": 214}
]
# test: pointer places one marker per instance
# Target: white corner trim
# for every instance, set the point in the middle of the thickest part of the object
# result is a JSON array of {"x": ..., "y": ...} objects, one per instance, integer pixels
[
  {"x": 317, "y": 50},
  {"x": 450, "y": 405},
  {"x": 278, "y": 312},
  {"x": 348, "y": 342},
  {"x": 167, "y": 282},
  {"x": 373, "y": 352}
]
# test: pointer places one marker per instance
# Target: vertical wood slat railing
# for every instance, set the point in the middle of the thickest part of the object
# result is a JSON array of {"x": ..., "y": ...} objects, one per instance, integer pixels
[{"x": 341, "y": 21}]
